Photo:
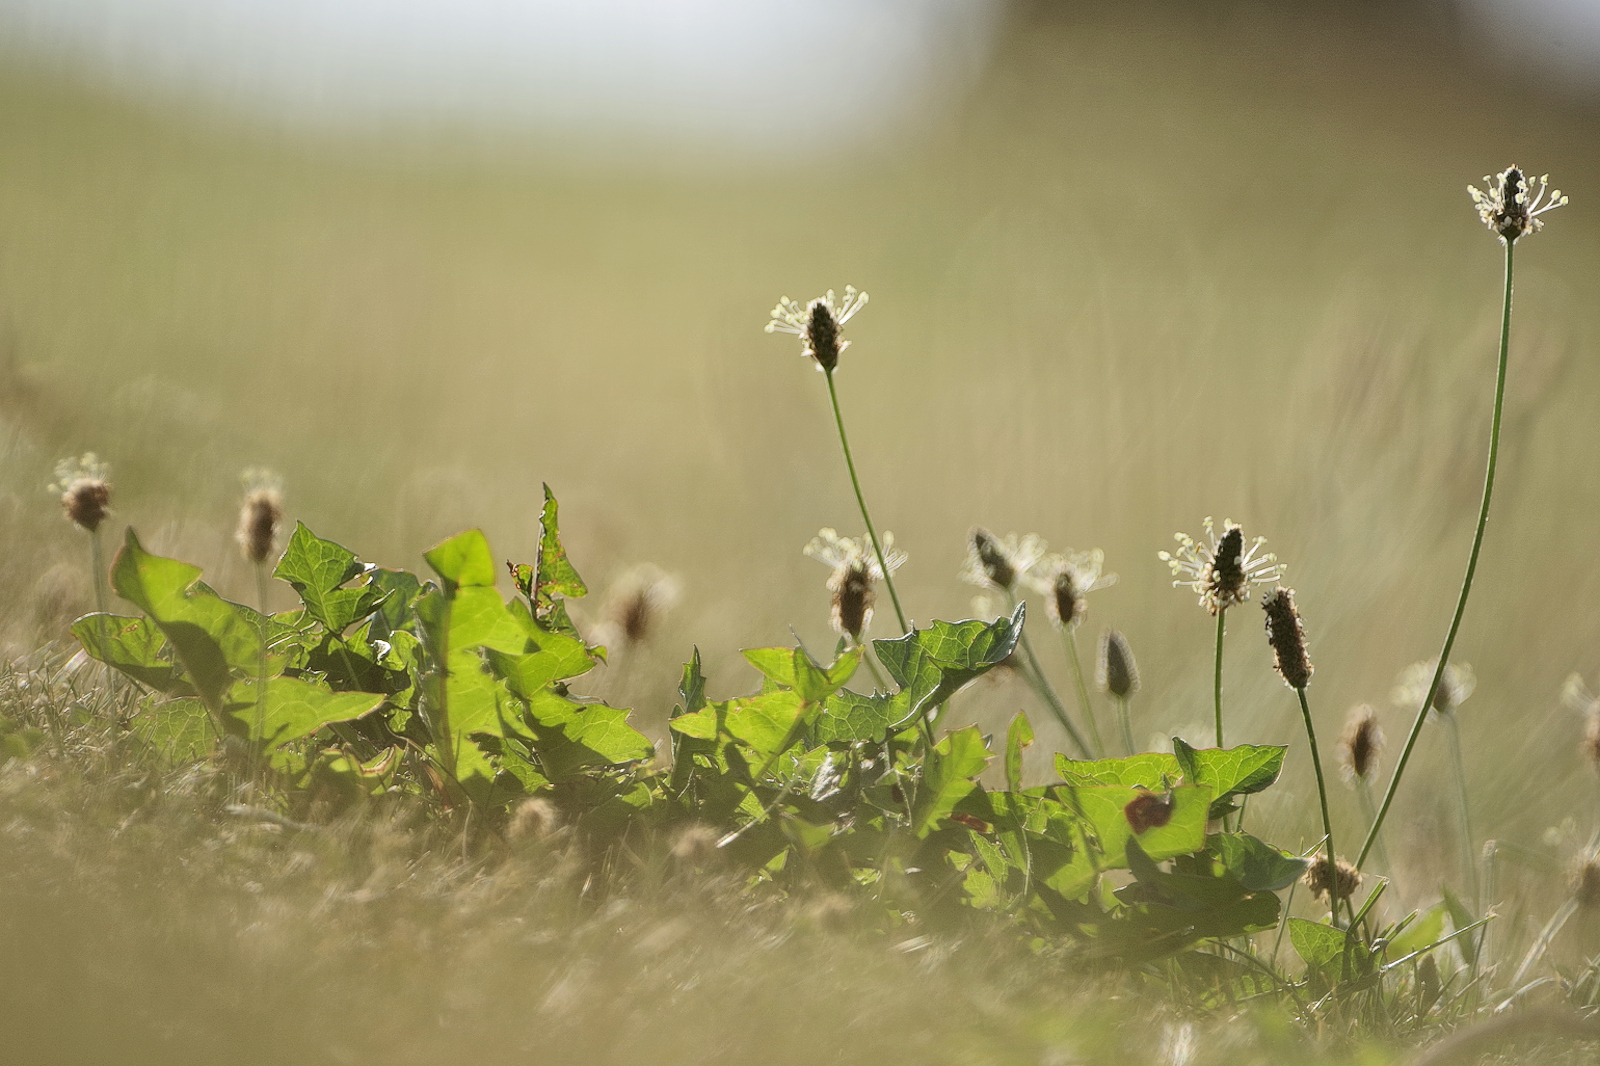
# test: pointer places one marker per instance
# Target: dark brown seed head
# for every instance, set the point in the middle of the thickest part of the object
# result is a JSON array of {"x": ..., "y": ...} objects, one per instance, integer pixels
[
  {"x": 1361, "y": 743},
  {"x": 87, "y": 501},
  {"x": 1341, "y": 877},
  {"x": 1116, "y": 672},
  {"x": 1586, "y": 883},
  {"x": 1288, "y": 637},
  {"x": 992, "y": 558},
  {"x": 1066, "y": 600},
  {"x": 1591, "y": 736},
  {"x": 853, "y": 596},
  {"x": 1512, "y": 219},
  {"x": 258, "y": 524},
  {"x": 822, "y": 335},
  {"x": 1227, "y": 579}
]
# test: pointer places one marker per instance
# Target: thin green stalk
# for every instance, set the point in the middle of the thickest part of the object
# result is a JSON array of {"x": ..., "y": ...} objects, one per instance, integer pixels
[
  {"x": 1127, "y": 725},
  {"x": 1216, "y": 683},
  {"x": 1469, "y": 864},
  {"x": 1069, "y": 634},
  {"x": 855, "y": 483},
  {"x": 1322, "y": 798},
  {"x": 1368, "y": 811},
  {"x": 1041, "y": 686},
  {"x": 97, "y": 562},
  {"x": 1472, "y": 566},
  {"x": 261, "y": 665}
]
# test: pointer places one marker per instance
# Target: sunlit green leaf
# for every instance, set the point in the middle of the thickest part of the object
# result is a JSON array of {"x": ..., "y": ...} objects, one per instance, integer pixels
[
  {"x": 317, "y": 569},
  {"x": 1179, "y": 828},
  {"x": 766, "y": 723},
  {"x": 931, "y": 664},
  {"x": 556, "y": 576},
  {"x": 179, "y": 730},
  {"x": 293, "y": 709},
  {"x": 1019, "y": 736},
  {"x": 1154, "y": 770},
  {"x": 1230, "y": 771},
  {"x": 211, "y": 638},
  {"x": 133, "y": 646},
  {"x": 1257, "y": 865},
  {"x": 949, "y": 774},
  {"x": 463, "y": 561}
]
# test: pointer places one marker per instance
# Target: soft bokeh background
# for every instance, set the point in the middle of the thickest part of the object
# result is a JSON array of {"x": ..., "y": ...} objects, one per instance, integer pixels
[{"x": 1130, "y": 265}]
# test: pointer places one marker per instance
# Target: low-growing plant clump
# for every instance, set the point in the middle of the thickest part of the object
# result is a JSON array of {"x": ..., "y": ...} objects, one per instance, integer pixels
[{"x": 437, "y": 696}]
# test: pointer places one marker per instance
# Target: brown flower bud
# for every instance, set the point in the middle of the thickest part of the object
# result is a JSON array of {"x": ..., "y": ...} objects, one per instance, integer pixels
[
  {"x": 1287, "y": 636},
  {"x": 258, "y": 524}
]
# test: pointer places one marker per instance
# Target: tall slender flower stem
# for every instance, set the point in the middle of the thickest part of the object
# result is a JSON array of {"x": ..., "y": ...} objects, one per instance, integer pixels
[
  {"x": 1472, "y": 566},
  {"x": 1127, "y": 725},
  {"x": 1458, "y": 769},
  {"x": 1216, "y": 684},
  {"x": 855, "y": 483},
  {"x": 1322, "y": 797},
  {"x": 1069, "y": 635},
  {"x": 1041, "y": 686}
]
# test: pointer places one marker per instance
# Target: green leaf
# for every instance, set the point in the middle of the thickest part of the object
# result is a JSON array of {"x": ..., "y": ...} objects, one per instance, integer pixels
[
  {"x": 395, "y": 610},
  {"x": 294, "y": 709},
  {"x": 1019, "y": 736},
  {"x": 1257, "y": 865},
  {"x": 767, "y": 724},
  {"x": 1329, "y": 952},
  {"x": 949, "y": 774},
  {"x": 1230, "y": 771},
  {"x": 317, "y": 569},
  {"x": 133, "y": 646},
  {"x": 776, "y": 664},
  {"x": 931, "y": 664},
  {"x": 692, "y": 687},
  {"x": 848, "y": 717},
  {"x": 1154, "y": 770},
  {"x": 1106, "y": 809},
  {"x": 180, "y": 730},
  {"x": 463, "y": 561},
  {"x": 1461, "y": 918},
  {"x": 569, "y": 736},
  {"x": 556, "y": 657},
  {"x": 1419, "y": 934},
  {"x": 211, "y": 638},
  {"x": 556, "y": 575}
]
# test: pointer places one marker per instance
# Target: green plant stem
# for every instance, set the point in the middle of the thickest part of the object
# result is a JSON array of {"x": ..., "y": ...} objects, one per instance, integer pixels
[
  {"x": 1216, "y": 681},
  {"x": 1322, "y": 798},
  {"x": 1127, "y": 725},
  {"x": 1368, "y": 810},
  {"x": 97, "y": 564},
  {"x": 1458, "y": 770},
  {"x": 855, "y": 483},
  {"x": 1069, "y": 635},
  {"x": 261, "y": 666},
  {"x": 1472, "y": 566},
  {"x": 1041, "y": 686}
]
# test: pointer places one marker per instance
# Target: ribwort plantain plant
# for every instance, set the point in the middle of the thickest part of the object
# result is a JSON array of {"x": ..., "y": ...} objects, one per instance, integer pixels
[{"x": 1510, "y": 208}]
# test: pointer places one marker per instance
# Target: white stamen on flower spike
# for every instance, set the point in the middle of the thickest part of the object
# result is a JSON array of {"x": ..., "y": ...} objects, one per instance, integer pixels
[
  {"x": 818, "y": 324},
  {"x": 1223, "y": 571},
  {"x": 855, "y": 572},
  {"x": 1511, "y": 206}
]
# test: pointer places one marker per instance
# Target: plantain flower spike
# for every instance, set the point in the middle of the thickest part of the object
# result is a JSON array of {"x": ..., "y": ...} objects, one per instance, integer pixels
[
  {"x": 819, "y": 325},
  {"x": 1361, "y": 744},
  {"x": 260, "y": 515},
  {"x": 1287, "y": 635},
  {"x": 1064, "y": 580},
  {"x": 1510, "y": 205},
  {"x": 855, "y": 573},
  {"x": 1000, "y": 562},
  {"x": 1223, "y": 571},
  {"x": 1115, "y": 671},
  {"x": 1339, "y": 877},
  {"x": 85, "y": 490}
]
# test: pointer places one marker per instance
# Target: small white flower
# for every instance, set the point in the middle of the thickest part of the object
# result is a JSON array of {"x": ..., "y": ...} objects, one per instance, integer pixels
[
  {"x": 1064, "y": 580},
  {"x": 1511, "y": 206}
]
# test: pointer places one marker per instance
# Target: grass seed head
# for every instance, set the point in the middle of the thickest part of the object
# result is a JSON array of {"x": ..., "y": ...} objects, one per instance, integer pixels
[
  {"x": 84, "y": 489},
  {"x": 1510, "y": 205},
  {"x": 1287, "y": 635},
  {"x": 1115, "y": 671},
  {"x": 819, "y": 324},
  {"x": 1339, "y": 877},
  {"x": 1361, "y": 744}
]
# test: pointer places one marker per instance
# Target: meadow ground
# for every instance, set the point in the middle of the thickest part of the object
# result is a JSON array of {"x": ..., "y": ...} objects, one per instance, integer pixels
[{"x": 1156, "y": 266}]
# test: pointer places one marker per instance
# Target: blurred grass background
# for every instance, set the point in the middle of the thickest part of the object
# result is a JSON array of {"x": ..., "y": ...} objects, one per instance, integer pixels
[{"x": 1162, "y": 261}]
